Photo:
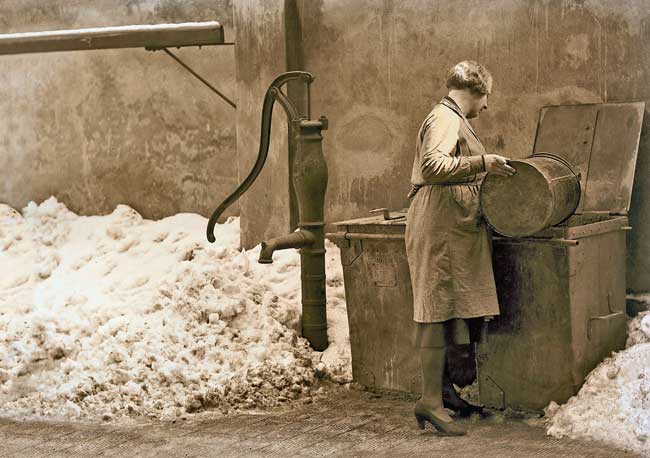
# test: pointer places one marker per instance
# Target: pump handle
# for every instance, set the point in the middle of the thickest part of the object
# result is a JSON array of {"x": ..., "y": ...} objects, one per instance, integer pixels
[{"x": 272, "y": 93}]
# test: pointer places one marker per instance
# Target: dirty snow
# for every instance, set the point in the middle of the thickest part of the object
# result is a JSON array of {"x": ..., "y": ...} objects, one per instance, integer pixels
[
  {"x": 639, "y": 330},
  {"x": 613, "y": 405},
  {"x": 117, "y": 316}
]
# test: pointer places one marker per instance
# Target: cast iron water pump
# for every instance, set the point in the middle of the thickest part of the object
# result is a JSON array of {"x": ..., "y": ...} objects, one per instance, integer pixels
[{"x": 309, "y": 176}]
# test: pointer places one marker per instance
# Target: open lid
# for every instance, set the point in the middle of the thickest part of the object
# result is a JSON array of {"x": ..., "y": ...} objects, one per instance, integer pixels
[{"x": 601, "y": 142}]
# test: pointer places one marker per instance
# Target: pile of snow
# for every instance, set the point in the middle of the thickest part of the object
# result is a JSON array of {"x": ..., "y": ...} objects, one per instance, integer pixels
[
  {"x": 613, "y": 405},
  {"x": 114, "y": 316},
  {"x": 639, "y": 330}
]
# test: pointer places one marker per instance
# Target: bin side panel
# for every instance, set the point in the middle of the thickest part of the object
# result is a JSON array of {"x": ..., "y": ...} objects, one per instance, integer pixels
[
  {"x": 598, "y": 300},
  {"x": 380, "y": 315},
  {"x": 526, "y": 359},
  {"x": 585, "y": 298}
]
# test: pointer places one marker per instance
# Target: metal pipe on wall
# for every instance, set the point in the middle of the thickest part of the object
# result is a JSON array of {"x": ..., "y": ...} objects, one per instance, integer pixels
[{"x": 157, "y": 36}]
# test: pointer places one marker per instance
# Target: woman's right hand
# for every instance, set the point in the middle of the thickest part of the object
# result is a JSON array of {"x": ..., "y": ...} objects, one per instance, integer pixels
[{"x": 498, "y": 165}]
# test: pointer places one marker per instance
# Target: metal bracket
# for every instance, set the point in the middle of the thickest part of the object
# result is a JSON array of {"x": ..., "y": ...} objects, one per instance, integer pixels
[
  {"x": 196, "y": 75},
  {"x": 605, "y": 318}
]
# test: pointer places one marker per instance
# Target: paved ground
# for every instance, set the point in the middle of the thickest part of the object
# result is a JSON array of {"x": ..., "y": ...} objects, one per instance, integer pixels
[{"x": 355, "y": 424}]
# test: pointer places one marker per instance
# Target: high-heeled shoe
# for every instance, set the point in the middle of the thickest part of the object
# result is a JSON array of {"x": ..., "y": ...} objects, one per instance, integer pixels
[{"x": 422, "y": 415}]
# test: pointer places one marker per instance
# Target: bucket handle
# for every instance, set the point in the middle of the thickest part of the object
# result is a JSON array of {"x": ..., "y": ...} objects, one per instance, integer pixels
[{"x": 559, "y": 159}]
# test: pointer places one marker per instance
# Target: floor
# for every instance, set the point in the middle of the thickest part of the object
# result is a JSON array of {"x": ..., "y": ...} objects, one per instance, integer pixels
[{"x": 347, "y": 424}]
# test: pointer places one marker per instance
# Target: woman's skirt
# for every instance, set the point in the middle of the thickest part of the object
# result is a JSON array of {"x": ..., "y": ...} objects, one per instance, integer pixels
[{"x": 449, "y": 255}]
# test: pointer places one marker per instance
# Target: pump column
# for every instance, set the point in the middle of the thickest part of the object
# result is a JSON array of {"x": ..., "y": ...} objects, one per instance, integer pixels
[{"x": 310, "y": 181}]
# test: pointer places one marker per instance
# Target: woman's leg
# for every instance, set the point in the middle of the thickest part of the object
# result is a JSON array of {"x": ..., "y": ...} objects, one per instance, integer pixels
[
  {"x": 430, "y": 340},
  {"x": 432, "y": 349},
  {"x": 460, "y": 367}
]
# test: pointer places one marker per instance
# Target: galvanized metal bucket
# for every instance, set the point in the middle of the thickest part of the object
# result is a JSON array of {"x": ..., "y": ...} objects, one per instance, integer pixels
[{"x": 544, "y": 192}]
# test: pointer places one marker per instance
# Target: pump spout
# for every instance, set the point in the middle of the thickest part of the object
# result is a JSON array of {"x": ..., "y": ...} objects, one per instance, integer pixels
[{"x": 297, "y": 239}]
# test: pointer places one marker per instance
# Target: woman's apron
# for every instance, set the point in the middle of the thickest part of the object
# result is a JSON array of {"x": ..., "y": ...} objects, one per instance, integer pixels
[{"x": 447, "y": 244}]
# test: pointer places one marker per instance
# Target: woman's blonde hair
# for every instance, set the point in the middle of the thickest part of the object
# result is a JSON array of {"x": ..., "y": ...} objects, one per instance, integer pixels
[{"x": 471, "y": 75}]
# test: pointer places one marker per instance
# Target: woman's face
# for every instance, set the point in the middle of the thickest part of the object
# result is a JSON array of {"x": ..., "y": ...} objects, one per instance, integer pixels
[{"x": 479, "y": 102}]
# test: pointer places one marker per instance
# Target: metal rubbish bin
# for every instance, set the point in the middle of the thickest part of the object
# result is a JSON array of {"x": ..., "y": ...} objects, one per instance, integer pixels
[
  {"x": 561, "y": 291},
  {"x": 380, "y": 301}
]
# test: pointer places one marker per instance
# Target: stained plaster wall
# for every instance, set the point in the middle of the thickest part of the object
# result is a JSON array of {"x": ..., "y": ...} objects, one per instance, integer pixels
[
  {"x": 99, "y": 128},
  {"x": 380, "y": 66}
]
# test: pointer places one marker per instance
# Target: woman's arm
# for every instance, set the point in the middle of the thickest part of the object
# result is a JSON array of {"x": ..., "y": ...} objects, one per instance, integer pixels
[{"x": 437, "y": 161}]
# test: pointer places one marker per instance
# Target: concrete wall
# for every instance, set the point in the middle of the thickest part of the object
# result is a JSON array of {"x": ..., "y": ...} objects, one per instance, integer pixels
[
  {"x": 261, "y": 54},
  {"x": 98, "y": 128},
  {"x": 380, "y": 66}
]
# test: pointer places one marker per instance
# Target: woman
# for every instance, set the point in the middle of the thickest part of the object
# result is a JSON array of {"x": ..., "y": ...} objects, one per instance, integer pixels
[{"x": 447, "y": 242}]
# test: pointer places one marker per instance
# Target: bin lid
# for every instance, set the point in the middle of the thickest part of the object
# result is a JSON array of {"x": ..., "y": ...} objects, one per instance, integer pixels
[{"x": 601, "y": 142}]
